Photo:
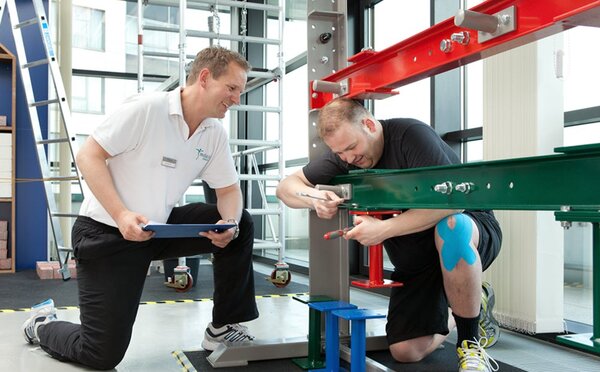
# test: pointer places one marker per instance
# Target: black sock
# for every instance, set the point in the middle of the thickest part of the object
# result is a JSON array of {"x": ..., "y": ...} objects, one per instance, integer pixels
[
  {"x": 467, "y": 329},
  {"x": 217, "y": 326}
]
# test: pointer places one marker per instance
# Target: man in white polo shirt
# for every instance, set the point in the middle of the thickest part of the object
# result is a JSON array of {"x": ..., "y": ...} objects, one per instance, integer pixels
[{"x": 138, "y": 164}]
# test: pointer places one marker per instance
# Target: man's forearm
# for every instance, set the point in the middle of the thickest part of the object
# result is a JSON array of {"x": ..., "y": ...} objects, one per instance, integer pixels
[
  {"x": 230, "y": 204},
  {"x": 288, "y": 190},
  {"x": 99, "y": 180}
]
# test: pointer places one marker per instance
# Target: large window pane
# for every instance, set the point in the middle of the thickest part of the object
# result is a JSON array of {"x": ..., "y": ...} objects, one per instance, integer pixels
[
  {"x": 295, "y": 114},
  {"x": 582, "y": 77},
  {"x": 582, "y": 134},
  {"x": 88, "y": 94},
  {"x": 168, "y": 42},
  {"x": 408, "y": 19},
  {"x": 474, "y": 95},
  {"x": 88, "y": 28},
  {"x": 474, "y": 151}
]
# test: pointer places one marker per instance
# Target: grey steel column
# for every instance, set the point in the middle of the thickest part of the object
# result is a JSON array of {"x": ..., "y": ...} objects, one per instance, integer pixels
[{"x": 327, "y": 52}]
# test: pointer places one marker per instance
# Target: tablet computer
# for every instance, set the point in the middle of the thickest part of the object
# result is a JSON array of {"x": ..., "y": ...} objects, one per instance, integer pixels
[{"x": 165, "y": 230}]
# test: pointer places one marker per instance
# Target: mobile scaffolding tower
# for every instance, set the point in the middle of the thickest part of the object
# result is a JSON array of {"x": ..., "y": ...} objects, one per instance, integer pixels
[{"x": 246, "y": 152}]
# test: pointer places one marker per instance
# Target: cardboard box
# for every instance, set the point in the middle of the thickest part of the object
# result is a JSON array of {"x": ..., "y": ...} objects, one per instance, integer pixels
[
  {"x": 3, "y": 244},
  {"x": 5, "y": 263},
  {"x": 3, "y": 235},
  {"x": 3, "y": 253},
  {"x": 3, "y": 225},
  {"x": 45, "y": 269},
  {"x": 50, "y": 269},
  {"x": 2, "y": 120}
]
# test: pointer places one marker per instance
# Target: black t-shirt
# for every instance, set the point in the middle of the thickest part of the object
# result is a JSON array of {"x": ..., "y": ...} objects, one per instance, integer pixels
[{"x": 408, "y": 143}]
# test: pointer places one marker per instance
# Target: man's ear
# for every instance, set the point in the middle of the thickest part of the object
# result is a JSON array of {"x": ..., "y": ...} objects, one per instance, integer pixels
[
  {"x": 203, "y": 77},
  {"x": 369, "y": 124}
]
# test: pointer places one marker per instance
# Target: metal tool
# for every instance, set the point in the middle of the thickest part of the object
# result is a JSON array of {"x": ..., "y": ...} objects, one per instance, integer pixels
[
  {"x": 341, "y": 205},
  {"x": 319, "y": 198},
  {"x": 344, "y": 191},
  {"x": 336, "y": 233}
]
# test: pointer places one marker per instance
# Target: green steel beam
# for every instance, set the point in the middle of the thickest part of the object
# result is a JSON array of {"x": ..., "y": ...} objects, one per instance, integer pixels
[
  {"x": 565, "y": 183},
  {"x": 549, "y": 182},
  {"x": 578, "y": 216}
]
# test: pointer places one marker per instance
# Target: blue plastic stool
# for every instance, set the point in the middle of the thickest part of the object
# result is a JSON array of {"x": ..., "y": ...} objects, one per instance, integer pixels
[
  {"x": 314, "y": 360},
  {"x": 358, "y": 338},
  {"x": 332, "y": 333}
]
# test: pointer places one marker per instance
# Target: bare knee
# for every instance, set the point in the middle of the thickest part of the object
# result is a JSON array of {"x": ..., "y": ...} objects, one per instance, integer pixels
[{"x": 407, "y": 352}]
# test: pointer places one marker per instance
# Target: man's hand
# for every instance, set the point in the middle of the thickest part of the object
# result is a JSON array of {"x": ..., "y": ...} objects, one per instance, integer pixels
[
  {"x": 367, "y": 231},
  {"x": 326, "y": 208},
  {"x": 220, "y": 239},
  {"x": 130, "y": 223}
]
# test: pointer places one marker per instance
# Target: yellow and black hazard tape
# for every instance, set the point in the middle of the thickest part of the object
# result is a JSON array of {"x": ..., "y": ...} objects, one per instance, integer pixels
[
  {"x": 183, "y": 361},
  {"x": 162, "y": 302},
  {"x": 210, "y": 299}
]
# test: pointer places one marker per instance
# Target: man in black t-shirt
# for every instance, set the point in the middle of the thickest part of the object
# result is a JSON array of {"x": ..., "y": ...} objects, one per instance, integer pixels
[{"x": 438, "y": 254}]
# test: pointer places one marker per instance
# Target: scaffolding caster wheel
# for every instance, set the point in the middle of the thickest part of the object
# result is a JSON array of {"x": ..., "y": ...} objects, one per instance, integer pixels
[
  {"x": 281, "y": 276},
  {"x": 182, "y": 280}
]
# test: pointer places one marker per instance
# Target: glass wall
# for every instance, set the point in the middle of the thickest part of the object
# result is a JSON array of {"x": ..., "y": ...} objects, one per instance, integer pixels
[
  {"x": 581, "y": 77},
  {"x": 413, "y": 100}
]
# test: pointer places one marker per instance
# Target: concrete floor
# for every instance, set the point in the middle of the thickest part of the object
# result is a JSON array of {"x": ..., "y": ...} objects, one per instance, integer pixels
[{"x": 163, "y": 328}]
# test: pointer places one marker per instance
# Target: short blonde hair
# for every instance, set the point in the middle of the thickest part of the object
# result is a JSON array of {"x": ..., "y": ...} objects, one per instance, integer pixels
[
  {"x": 338, "y": 111},
  {"x": 217, "y": 60}
]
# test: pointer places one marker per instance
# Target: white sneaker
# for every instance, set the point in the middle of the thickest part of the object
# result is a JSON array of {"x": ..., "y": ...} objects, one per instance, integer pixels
[
  {"x": 473, "y": 357},
  {"x": 42, "y": 313},
  {"x": 230, "y": 334}
]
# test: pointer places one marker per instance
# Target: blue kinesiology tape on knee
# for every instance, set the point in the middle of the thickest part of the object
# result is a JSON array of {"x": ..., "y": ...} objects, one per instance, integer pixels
[{"x": 457, "y": 241}]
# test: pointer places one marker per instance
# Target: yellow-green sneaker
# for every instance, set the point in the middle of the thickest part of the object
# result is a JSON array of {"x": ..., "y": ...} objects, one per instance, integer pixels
[
  {"x": 473, "y": 357},
  {"x": 488, "y": 325}
]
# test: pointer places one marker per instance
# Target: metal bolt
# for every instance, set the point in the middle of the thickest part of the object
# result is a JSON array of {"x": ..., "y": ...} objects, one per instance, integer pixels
[
  {"x": 443, "y": 188},
  {"x": 462, "y": 37},
  {"x": 446, "y": 45},
  {"x": 324, "y": 59},
  {"x": 565, "y": 224},
  {"x": 465, "y": 187},
  {"x": 325, "y": 37}
]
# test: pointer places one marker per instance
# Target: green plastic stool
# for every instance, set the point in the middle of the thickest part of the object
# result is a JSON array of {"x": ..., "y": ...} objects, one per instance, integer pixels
[{"x": 314, "y": 359}]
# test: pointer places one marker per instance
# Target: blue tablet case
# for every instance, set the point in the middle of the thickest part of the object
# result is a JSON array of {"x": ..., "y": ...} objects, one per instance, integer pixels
[{"x": 165, "y": 230}]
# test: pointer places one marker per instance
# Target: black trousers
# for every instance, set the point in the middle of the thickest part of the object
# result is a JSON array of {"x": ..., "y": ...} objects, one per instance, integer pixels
[{"x": 110, "y": 276}]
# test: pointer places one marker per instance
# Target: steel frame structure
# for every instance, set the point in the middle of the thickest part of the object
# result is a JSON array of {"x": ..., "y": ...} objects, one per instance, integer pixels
[
  {"x": 375, "y": 75},
  {"x": 490, "y": 185}
]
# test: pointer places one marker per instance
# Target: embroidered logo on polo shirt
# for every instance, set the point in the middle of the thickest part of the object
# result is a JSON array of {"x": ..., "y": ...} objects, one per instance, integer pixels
[{"x": 201, "y": 154}]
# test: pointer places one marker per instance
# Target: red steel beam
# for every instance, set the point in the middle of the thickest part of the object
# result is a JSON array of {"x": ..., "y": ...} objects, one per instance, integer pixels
[{"x": 375, "y": 74}]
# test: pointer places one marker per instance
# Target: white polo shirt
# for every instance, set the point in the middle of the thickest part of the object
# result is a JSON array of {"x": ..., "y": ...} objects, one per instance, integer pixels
[{"x": 153, "y": 161}]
